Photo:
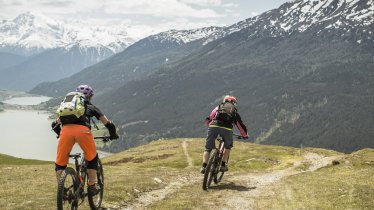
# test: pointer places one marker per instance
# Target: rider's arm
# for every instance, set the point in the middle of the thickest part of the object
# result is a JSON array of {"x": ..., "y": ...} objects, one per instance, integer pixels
[
  {"x": 108, "y": 124},
  {"x": 211, "y": 116},
  {"x": 240, "y": 125},
  {"x": 104, "y": 119},
  {"x": 56, "y": 126}
]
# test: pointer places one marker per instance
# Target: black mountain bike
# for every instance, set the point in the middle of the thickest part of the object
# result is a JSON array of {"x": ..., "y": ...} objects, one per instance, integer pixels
[
  {"x": 70, "y": 190},
  {"x": 212, "y": 170}
]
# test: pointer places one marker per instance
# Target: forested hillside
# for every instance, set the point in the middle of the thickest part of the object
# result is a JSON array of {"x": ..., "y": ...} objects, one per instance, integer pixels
[{"x": 303, "y": 75}]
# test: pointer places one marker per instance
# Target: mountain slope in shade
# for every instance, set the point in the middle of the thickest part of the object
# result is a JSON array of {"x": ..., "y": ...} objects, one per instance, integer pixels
[
  {"x": 308, "y": 85},
  {"x": 302, "y": 72},
  {"x": 137, "y": 61},
  {"x": 48, "y": 66},
  {"x": 8, "y": 60}
]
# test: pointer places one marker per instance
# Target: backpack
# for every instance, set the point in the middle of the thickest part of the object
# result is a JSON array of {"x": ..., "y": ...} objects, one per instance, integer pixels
[
  {"x": 72, "y": 108},
  {"x": 226, "y": 112}
]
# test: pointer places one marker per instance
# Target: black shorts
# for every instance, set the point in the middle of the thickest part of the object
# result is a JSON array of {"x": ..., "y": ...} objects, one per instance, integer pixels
[{"x": 212, "y": 135}]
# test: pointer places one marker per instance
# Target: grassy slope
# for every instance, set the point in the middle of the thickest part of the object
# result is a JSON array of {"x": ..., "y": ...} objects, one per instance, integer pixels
[
  {"x": 349, "y": 185},
  {"x": 26, "y": 183},
  {"x": 31, "y": 184}
]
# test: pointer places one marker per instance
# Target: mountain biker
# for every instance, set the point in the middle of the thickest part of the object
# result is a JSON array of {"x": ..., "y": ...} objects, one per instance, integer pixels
[
  {"x": 220, "y": 122},
  {"x": 79, "y": 131}
]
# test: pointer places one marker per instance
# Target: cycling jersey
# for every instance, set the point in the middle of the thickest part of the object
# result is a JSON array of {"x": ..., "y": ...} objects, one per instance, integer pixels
[
  {"x": 211, "y": 121},
  {"x": 91, "y": 111}
]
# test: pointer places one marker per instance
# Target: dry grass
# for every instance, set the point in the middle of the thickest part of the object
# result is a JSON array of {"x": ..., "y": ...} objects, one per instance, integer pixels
[
  {"x": 348, "y": 185},
  {"x": 27, "y": 187},
  {"x": 29, "y": 184}
]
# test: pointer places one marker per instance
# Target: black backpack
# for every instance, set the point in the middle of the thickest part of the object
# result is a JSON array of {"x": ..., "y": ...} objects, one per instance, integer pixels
[{"x": 226, "y": 112}]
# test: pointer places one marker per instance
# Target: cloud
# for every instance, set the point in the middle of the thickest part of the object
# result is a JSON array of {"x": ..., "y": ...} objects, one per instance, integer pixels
[
  {"x": 167, "y": 8},
  {"x": 105, "y": 8},
  {"x": 230, "y": 5},
  {"x": 60, "y": 3},
  {"x": 203, "y": 2},
  {"x": 13, "y": 8},
  {"x": 253, "y": 14}
]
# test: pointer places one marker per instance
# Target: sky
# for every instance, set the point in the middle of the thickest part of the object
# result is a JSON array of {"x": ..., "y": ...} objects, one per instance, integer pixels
[{"x": 142, "y": 17}]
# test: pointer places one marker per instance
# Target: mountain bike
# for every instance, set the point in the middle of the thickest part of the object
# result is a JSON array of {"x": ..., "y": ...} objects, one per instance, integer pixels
[
  {"x": 212, "y": 170},
  {"x": 70, "y": 190}
]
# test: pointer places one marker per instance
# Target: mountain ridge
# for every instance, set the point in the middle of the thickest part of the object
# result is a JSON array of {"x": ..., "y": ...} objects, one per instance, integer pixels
[
  {"x": 54, "y": 49},
  {"x": 292, "y": 85},
  {"x": 31, "y": 32},
  {"x": 281, "y": 82}
]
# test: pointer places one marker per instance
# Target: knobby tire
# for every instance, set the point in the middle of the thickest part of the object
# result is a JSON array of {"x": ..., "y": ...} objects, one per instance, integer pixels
[
  {"x": 96, "y": 200},
  {"x": 209, "y": 171},
  {"x": 66, "y": 200}
]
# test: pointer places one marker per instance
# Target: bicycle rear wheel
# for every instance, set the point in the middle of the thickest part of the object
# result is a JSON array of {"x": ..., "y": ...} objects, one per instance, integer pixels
[
  {"x": 209, "y": 170},
  {"x": 96, "y": 200},
  {"x": 67, "y": 185}
]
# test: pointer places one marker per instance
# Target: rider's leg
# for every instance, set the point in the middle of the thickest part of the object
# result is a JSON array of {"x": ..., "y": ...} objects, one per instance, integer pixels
[
  {"x": 226, "y": 154},
  {"x": 209, "y": 143},
  {"x": 59, "y": 169},
  {"x": 87, "y": 143},
  {"x": 65, "y": 144},
  {"x": 91, "y": 170},
  {"x": 227, "y": 138},
  {"x": 58, "y": 174},
  {"x": 206, "y": 156}
]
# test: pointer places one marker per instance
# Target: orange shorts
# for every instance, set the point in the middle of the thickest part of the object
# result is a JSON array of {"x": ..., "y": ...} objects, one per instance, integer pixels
[{"x": 71, "y": 134}]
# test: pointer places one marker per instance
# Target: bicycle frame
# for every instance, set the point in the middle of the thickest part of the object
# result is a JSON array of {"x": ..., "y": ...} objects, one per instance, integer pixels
[
  {"x": 217, "y": 164},
  {"x": 75, "y": 189},
  {"x": 81, "y": 176},
  {"x": 213, "y": 172},
  {"x": 81, "y": 171},
  {"x": 221, "y": 147}
]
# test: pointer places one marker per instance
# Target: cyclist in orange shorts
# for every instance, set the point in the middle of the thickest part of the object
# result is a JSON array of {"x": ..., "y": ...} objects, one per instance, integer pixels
[{"x": 78, "y": 130}]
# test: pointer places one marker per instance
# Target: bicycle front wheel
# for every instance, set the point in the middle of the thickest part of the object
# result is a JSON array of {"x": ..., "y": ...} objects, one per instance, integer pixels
[
  {"x": 96, "y": 200},
  {"x": 219, "y": 174},
  {"x": 209, "y": 170},
  {"x": 67, "y": 185}
]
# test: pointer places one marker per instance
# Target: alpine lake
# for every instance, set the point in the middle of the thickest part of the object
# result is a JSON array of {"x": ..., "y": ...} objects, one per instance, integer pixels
[{"x": 27, "y": 133}]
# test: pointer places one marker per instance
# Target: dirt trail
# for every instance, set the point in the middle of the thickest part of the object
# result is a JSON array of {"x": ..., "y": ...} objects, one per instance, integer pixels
[
  {"x": 248, "y": 186},
  {"x": 188, "y": 157},
  {"x": 260, "y": 184},
  {"x": 148, "y": 198}
]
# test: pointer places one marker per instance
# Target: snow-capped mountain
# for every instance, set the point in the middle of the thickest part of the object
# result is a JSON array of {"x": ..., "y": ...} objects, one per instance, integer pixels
[
  {"x": 348, "y": 16},
  {"x": 55, "y": 49},
  {"x": 185, "y": 36},
  {"x": 291, "y": 17},
  {"x": 303, "y": 73},
  {"x": 30, "y": 33}
]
